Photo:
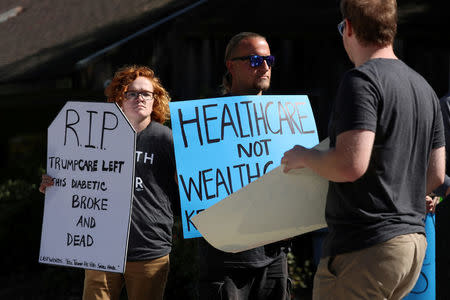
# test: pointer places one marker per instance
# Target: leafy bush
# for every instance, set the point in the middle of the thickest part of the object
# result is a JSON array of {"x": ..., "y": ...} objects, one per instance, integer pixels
[{"x": 21, "y": 211}]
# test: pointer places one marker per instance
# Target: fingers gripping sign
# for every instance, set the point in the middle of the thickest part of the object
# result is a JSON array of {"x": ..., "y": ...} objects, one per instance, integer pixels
[
  {"x": 294, "y": 158},
  {"x": 45, "y": 183},
  {"x": 431, "y": 202}
]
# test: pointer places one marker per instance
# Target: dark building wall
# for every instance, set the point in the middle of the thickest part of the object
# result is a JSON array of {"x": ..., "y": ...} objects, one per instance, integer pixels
[{"x": 187, "y": 54}]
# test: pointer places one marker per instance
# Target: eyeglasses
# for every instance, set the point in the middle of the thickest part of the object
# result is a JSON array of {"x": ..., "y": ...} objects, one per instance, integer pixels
[
  {"x": 341, "y": 27},
  {"x": 131, "y": 95},
  {"x": 257, "y": 60}
]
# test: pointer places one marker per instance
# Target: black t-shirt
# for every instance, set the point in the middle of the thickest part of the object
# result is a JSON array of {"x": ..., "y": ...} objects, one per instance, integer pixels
[
  {"x": 445, "y": 109},
  {"x": 212, "y": 259},
  {"x": 387, "y": 97},
  {"x": 155, "y": 193}
]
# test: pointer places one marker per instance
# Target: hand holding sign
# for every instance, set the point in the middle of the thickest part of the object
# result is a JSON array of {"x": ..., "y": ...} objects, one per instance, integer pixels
[{"x": 45, "y": 183}]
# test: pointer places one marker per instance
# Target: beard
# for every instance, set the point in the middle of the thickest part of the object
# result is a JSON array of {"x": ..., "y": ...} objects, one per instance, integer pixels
[{"x": 262, "y": 84}]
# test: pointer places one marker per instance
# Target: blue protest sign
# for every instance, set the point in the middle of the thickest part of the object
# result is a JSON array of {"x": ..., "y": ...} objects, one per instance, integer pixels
[
  {"x": 425, "y": 288},
  {"x": 223, "y": 144}
]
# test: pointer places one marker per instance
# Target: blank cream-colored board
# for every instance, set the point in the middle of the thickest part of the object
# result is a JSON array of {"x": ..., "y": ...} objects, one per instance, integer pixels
[{"x": 274, "y": 207}]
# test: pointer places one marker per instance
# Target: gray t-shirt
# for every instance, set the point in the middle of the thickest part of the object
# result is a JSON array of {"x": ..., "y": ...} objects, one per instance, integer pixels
[
  {"x": 389, "y": 98},
  {"x": 155, "y": 194}
]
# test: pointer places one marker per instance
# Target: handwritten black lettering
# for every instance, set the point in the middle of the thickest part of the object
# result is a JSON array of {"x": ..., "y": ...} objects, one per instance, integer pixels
[
  {"x": 266, "y": 166},
  {"x": 90, "y": 112},
  {"x": 189, "y": 215},
  {"x": 112, "y": 166},
  {"x": 59, "y": 163},
  {"x": 77, "y": 263},
  {"x": 243, "y": 119},
  {"x": 89, "y": 185},
  {"x": 226, "y": 114},
  {"x": 59, "y": 182},
  {"x": 268, "y": 124},
  {"x": 255, "y": 147},
  {"x": 300, "y": 117},
  {"x": 220, "y": 180},
  {"x": 85, "y": 222},
  {"x": 51, "y": 259},
  {"x": 208, "y": 139},
  {"x": 198, "y": 187},
  {"x": 79, "y": 240},
  {"x": 89, "y": 203},
  {"x": 205, "y": 183},
  {"x": 70, "y": 125},
  {"x": 105, "y": 127},
  {"x": 250, "y": 124},
  {"x": 183, "y": 122},
  {"x": 261, "y": 117},
  {"x": 284, "y": 118}
]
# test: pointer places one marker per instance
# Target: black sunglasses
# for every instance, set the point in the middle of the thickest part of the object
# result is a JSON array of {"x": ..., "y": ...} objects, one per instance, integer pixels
[{"x": 257, "y": 60}]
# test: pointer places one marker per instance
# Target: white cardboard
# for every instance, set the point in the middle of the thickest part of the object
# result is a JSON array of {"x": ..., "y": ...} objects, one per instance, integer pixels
[
  {"x": 93, "y": 235},
  {"x": 274, "y": 207}
]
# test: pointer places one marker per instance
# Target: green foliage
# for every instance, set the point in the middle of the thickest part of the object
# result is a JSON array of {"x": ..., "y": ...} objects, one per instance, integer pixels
[
  {"x": 12, "y": 190},
  {"x": 21, "y": 211},
  {"x": 301, "y": 274},
  {"x": 25, "y": 159}
]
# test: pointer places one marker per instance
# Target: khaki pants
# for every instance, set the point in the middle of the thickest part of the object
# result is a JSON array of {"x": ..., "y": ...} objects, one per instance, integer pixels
[
  {"x": 385, "y": 271},
  {"x": 143, "y": 280}
]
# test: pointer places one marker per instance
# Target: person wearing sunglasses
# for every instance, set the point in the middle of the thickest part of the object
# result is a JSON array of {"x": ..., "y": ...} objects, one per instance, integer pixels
[
  {"x": 386, "y": 153},
  {"x": 259, "y": 273},
  {"x": 249, "y": 65},
  {"x": 145, "y": 103}
]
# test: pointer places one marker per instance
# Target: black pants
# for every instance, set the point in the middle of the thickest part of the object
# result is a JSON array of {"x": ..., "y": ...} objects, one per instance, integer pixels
[{"x": 267, "y": 283}]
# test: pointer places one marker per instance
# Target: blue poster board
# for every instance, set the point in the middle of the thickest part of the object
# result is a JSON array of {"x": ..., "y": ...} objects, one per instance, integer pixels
[
  {"x": 425, "y": 288},
  {"x": 223, "y": 144}
]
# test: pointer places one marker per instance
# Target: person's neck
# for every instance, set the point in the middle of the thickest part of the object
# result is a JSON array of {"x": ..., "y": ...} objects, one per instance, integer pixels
[
  {"x": 238, "y": 92},
  {"x": 367, "y": 53},
  {"x": 140, "y": 125}
]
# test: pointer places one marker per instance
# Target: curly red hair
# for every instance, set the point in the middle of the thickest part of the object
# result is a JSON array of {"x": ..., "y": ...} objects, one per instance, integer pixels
[{"x": 115, "y": 91}]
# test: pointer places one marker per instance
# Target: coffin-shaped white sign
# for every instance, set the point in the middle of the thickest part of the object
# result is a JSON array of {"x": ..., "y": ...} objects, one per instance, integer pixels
[{"x": 90, "y": 155}]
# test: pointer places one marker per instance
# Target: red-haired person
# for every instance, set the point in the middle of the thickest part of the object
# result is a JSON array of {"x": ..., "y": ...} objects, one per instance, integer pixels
[{"x": 145, "y": 103}]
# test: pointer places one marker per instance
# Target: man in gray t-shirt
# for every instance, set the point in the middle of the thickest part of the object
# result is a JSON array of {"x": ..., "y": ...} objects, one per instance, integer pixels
[{"x": 386, "y": 153}]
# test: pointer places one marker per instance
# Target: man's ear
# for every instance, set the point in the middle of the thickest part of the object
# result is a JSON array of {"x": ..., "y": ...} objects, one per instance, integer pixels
[
  {"x": 349, "y": 27},
  {"x": 229, "y": 65}
]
